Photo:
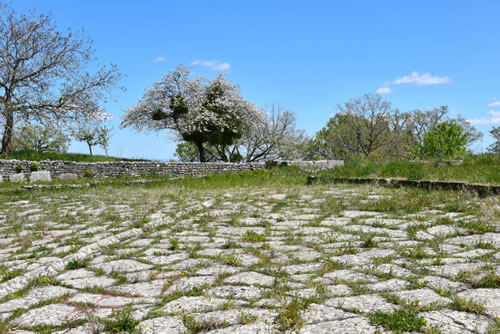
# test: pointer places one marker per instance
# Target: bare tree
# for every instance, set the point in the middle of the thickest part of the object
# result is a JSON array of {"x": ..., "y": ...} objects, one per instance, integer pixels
[
  {"x": 43, "y": 73},
  {"x": 274, "y": 137},
  {"x": 362, "y": 124}
]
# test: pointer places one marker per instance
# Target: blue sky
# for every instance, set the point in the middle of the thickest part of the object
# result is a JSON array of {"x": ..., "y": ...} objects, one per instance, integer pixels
[{"x": 307, "y": 56}]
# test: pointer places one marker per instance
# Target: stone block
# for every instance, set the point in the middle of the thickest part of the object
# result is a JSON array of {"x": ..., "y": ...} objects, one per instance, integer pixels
[
  {"x": 17, "y": 177},
  {"x": 68, "y": 176},
  {"x": 40, "y": 176}
]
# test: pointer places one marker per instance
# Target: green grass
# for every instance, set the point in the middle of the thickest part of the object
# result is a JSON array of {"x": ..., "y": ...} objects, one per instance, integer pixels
[
  {"x": 77, "y": 157},
  {"x": 121, "y": 322},
  {"x": 253, "y": 236},
  {"x": 289, "y": 316},
  {"x": 398, "y": 321},
  {"x": 285, "y": 176},
  {"x": 482, "y": 168}
]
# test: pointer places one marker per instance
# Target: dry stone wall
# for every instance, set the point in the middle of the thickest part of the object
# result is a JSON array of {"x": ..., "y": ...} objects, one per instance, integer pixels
[{"x": 127, "y": 168}]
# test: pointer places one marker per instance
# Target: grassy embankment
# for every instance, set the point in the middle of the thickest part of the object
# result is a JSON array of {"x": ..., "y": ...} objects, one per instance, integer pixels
[{"x": 483, "y": 168}]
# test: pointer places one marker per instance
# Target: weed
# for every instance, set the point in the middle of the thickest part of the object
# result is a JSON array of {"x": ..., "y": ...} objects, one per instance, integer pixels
[
  {"x": 398, "y": 321},
  {"x": 253, "y": 236},
  {"x": 76, "y": 264},
  {"x": 230, "y": 259},
  {"x": 174, "y": 244},
  {"x": 368, "y": 241},
  {"x": 466, "y": 305},
  {"x": 289, "y": 316},
  {"x": 121, "y": 322}
]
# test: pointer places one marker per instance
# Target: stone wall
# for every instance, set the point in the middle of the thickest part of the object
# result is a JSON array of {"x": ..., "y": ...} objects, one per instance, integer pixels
[
  {"x": 322, "y": 164},
  {"x": 128, "y": 168}
]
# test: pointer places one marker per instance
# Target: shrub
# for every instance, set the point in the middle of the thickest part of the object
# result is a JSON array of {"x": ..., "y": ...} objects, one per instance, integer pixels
[
  {"x": 88, "y": 174},
  {"x": 34, "y": 167},
  {"x": 447, "y": 140},
  {"x": 19, "y": 168}
]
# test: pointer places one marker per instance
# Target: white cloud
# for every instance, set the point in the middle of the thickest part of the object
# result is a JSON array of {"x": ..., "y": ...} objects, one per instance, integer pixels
[
  {"x": 212, "y": 64},
  {"x": 494, "y": 104},
  {"x": 494, "y": 119},
  {"x": 384, "y": 90},
  {"x": 160, "y": 58},
  {"x": 494, "y": 113},
  {"x": 421, "y": 79}
]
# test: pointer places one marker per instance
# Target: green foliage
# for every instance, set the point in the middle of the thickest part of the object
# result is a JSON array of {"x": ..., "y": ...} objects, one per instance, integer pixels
[
  {"x": 76, "y": 264},
  {"x": 40, "y": 138},
  {"x": 121, "y": 322},
  {"x": 495, "y": 147},
  {"x": 466, "y": 305},
  {"x": 447, "y": 140},
  {"x": 174, "y": 244},
  {"x": 34, "y": 167},
  {"x": 253, "y": 236},
  {"x": 398, "y": 321},
  {"x": 88, "y": 174},
  {"x": 19, "y": 168},
  {"x": 482, "y": 168},
  {"x": 289, "y": 316}
]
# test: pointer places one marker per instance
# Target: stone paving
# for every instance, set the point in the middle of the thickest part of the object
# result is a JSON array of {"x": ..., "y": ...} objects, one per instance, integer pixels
[{"x": 303, "y": 259}]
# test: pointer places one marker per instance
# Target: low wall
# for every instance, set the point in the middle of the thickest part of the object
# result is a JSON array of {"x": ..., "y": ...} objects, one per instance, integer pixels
[
  {"x": 479, "y": 188},
  {"x": 324, "y": 164},
  {"x": 128, "y": 168}
]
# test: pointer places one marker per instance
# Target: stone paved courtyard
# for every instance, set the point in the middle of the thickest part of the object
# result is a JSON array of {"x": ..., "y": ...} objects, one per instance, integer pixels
[{"x": 321, "y": 259}]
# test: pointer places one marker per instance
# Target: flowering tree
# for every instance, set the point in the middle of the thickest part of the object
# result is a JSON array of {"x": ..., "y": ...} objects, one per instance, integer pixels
[
  {"x": 271, "y": 136},
  {"x": 92, "y": 129},
  {"x": 200, "y": 111}
]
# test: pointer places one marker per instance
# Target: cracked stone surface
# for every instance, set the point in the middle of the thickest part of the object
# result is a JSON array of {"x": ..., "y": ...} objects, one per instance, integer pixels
[{"x": 235, "y": 260}]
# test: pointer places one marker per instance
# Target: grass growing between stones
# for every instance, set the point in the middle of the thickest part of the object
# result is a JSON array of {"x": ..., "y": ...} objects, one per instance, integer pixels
[
  {"x": 399, "y": 321},
  {"x": 268, "y": 250},
  {"x": 121, "y": 322},
  {"x": 290, "y": 315}
]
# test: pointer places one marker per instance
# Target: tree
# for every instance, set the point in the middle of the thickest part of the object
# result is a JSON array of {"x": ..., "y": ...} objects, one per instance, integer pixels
[
  {"x": 105, "y": 135},
  {"x": 93, "y": 131},
  {"x": 200, "y": 111},
  {"x": 419, "y": 123},
  {"x": 187, "y": 152},
  {"x": 43, "y": 73},
  {"x": 367, "y": 127},
  {"x": 273, "y": 136},
  {"x": 446, "y": 140},
  {"x": 495, "y": 147},
  {"x": 40, "y": 138},
  {"x": 360, "y": 128}
]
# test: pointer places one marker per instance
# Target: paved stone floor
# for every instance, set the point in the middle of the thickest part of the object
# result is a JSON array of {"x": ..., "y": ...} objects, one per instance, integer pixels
[{"x": 305, "y": 259}]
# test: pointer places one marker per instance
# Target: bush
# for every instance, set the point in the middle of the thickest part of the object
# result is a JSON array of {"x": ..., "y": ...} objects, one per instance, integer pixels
[
  {"x": 447, "y": 140},
  {"x": 19, "y": 168},
  {"x": 34, "y": 167},
  {"x": 88, "y": 174}
]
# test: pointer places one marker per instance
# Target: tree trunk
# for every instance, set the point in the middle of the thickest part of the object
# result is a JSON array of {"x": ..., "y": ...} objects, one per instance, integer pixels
[
  {"x": 7, "y": 133},
  {"x": 201, "y": 150},
  {"x": 90, "y": 148}
]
